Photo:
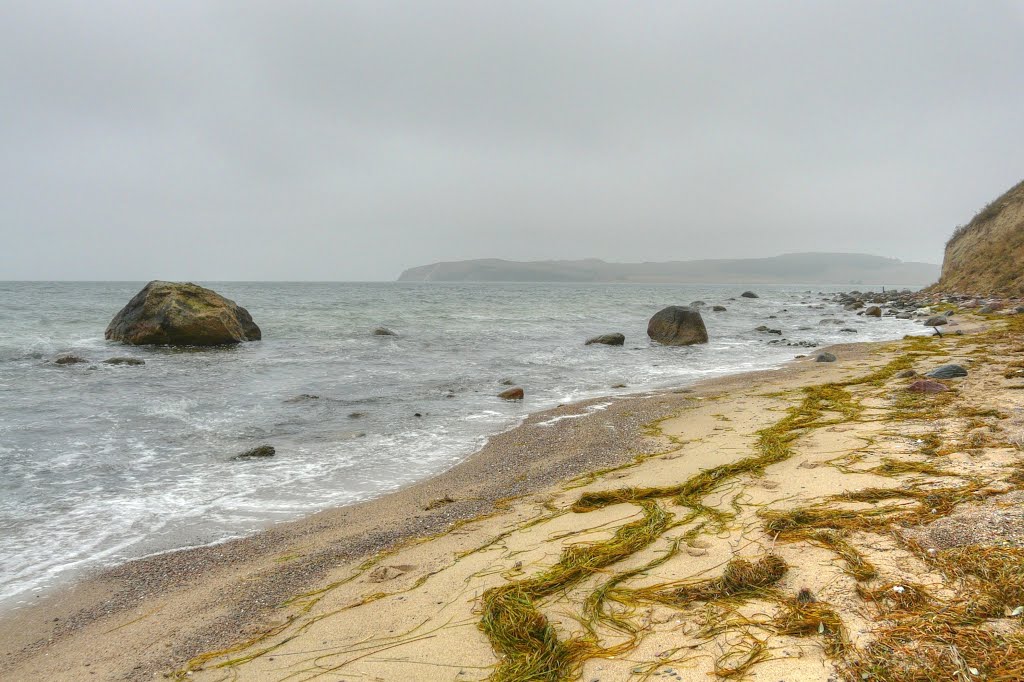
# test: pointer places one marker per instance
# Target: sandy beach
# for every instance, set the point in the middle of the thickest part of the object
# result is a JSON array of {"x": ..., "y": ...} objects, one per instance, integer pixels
[{"x": 723, "y": 529}]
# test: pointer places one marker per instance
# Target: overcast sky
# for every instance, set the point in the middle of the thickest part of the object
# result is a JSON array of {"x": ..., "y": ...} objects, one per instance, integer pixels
[{"x": 350, "y": 140}]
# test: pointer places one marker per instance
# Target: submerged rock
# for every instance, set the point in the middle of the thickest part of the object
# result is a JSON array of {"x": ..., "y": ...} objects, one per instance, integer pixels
[
  {"x": 615, "y": 339},
  {"x": 512, "y": 394},
  {"x": 257, "y": 452},
  {"x": 749, "y": 294},
  {"x": 383, "y": 331},
  {"x": 677, "y": 326},
  {"x": 947, "y": 372},
  {"x": 124, "y": 361},
  {"x": 719, "y": 309},
  {"x": 302, "y": 398},
  {"x": 69, "y": 360},
  {"x": 181, "y": 314}
]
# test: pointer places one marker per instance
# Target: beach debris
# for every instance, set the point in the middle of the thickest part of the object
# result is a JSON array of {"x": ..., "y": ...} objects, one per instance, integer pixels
[
  {"x": 384, "y": 573},
  {"x": 439, "y": 502},
  {"x": 258, "y": 452},
  {"x": 926, "y": 386},
  {"x": 614, "y": 339},
  {"x": 124, "y": 361},
  {"x": 181, "y": 314},
  {"x": 947, "y": 372},
  {"x": 383, "y": 331},
  {"x": 69, "y": 360},
  {"x": 749, "y": 294},
  {"x": 825, "y": 357},
  {"x": 515, "y": 393}
]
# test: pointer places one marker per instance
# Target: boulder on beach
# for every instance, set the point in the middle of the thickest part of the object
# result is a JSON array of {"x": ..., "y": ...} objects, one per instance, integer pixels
[
  {"x": 749, "y": 294},
  {"x": 181, "y": 314},
  {"x": 825, "y": 357},
  {"x": 124, "y": 361},
  {"x": 906, "y": 374},
  {"x": 512, "y": 394},
  {"x": 947, "y": 372},
  {"x": 615, "y": 339},
  {"x": 677, "y": 325}
]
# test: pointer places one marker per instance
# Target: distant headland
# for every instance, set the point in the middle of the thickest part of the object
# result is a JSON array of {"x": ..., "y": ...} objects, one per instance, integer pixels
[{"x": 791, "y": 268}]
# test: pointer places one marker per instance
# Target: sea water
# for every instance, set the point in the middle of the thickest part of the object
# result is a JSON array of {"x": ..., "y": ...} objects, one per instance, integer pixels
[{"x": 102, "y": 463}]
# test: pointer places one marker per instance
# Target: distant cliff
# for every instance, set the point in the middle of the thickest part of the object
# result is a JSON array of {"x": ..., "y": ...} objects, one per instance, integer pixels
[
  {"x": 793, "y": 268},
  {"x": 986, "y": 256}
]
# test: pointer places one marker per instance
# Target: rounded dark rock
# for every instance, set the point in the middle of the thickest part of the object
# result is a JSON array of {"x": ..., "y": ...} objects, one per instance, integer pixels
[
  {"x": 69, "y": 360},
  {"x": 257, "y": 452},
  {"x": 873, "y": 311},
  {"x": 947, "y": 372},
  {"x": 512, "y": 394},
  {"x": 124, "y": 361},
  {"x": 383, "y": 331},
  {"x": 181, "y": 314},
  {"x": 677, "y": 326},
  {"x": 749, "y": 294},
  {"x": 719, "y": 308},
  {"x": 825, "y": 357},
  {"x": 615, "y": 339}
]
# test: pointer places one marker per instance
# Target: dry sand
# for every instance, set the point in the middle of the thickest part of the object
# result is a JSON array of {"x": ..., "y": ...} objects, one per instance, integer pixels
[{"x": 391, "y": 589}]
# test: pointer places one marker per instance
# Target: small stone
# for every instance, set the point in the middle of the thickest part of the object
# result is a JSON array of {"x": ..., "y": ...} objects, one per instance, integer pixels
[
  {"x": 749, "y": 294},
  {"x": 926, "y": 386},
  {"x": 614, "y": 339},
  {"x": 825, "y": 357},
  {"x": 69, "y": 360},
  {"x": 257, "y": 452},
  {"x": 512, "y": 394},
  {"x": 124, "y": 361},
  {"x": 906, "y": 374},
  {"x": 947, "y": 372},
  {"x": 383, "y": 331}
]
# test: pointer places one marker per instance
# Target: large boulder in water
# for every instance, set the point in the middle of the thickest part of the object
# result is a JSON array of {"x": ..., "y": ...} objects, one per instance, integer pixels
[
  {"x": 181, "y": 314},
  {"x": 677, "y": 325}
]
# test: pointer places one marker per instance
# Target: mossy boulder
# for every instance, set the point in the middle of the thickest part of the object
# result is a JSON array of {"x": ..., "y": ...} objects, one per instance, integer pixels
[{"x": 181, "y": 314}]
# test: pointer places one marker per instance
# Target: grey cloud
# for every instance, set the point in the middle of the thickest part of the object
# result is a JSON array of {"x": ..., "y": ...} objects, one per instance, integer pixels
[{"x": 326, "y": 140}]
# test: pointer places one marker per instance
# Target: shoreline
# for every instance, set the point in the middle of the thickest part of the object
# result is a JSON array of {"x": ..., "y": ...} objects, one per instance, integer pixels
[{"x": 512, "y": 464}]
